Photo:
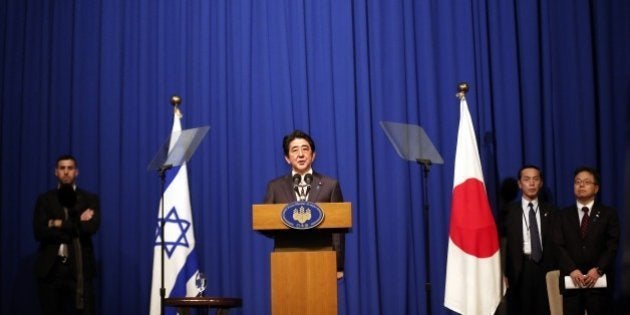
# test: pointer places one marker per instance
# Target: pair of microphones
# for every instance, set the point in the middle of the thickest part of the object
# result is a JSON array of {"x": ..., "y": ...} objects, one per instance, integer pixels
[{"x": 297, "y": 184}]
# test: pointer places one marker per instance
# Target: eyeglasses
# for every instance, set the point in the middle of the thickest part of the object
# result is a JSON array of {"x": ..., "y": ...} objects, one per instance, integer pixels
[{"x": 579, "y": 182}]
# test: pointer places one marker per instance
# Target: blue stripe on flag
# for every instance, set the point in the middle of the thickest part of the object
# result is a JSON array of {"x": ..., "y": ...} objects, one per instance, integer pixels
[
  {"x": 179, "y": 289},
  {"x": 170, "y": 176},
  {"x": 189, "y": 270}
]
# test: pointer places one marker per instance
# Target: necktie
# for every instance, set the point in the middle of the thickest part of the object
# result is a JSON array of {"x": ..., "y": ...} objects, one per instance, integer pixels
[
  {"x": 534, "y": 236},
  {"x": 585, "y": 221}
]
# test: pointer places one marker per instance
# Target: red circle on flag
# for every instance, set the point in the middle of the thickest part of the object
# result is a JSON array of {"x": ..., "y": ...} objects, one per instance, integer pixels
[{"x": 472, "y": 224}]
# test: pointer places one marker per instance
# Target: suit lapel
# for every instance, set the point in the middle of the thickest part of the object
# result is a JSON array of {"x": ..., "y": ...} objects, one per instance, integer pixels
[
  {"x": 595, "y": 214},
  {"x": 80, "y": 204},
  {"x": 594, "y": 219},
  {"x": 544, "y": 221},
  {"x": 518, "y": 221},
  {"x": 574, "y": 219},
  {"x": 313, "y": 195},
  {"x": 287, "y": 182}
]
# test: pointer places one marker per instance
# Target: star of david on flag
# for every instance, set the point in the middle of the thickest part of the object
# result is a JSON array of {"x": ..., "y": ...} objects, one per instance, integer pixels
[
  {"x": 179, "y": 226},
  {"x": 180, "y": 259}
]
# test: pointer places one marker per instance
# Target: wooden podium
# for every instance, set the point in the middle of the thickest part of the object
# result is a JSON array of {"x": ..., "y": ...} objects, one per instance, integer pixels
[{"x": 303, "y": 262}]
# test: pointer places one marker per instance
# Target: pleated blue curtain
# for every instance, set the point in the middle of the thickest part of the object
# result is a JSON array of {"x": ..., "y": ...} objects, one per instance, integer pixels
[{"x": 549, "y": 86}]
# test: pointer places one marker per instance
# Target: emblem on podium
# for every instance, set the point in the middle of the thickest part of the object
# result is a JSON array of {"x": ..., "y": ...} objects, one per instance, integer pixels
[{"x": 302, "y": 215}]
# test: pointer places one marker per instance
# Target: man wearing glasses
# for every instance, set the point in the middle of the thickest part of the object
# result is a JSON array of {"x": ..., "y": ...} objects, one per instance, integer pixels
[{"x": 587, "y": 237}]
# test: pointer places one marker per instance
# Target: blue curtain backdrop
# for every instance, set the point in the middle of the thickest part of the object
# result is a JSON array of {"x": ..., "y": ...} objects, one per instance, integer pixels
[{"x": 549, "y": 86}]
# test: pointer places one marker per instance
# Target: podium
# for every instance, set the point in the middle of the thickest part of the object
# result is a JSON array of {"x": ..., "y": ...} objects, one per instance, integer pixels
[{"x": 303, "y": 262}]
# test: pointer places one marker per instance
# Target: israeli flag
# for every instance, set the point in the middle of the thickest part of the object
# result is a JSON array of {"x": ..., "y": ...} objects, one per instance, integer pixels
[{"x": 180, "y": 258}]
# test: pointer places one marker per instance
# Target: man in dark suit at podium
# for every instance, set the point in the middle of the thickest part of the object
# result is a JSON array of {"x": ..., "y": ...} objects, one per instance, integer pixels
[
  {"x": 302, "y": 183},
  {"x": 64, "y": 221}
]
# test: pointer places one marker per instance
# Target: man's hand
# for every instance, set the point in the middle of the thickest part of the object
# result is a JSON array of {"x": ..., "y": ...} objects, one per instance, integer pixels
[
  {"x": 339, "y": 275},
  {"x": 87, "y": 215},
  {"x": 591, "y": 277},
  {"x": 578, "y": 278}
]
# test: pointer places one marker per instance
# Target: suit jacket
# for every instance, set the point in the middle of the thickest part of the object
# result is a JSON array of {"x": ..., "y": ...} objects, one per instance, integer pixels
[
  {"x": 597, "y": 249},
  {"x": 514, "y": 234},
  {"x": 323, "y": 189},
  {"x": 49, "y": 208}
]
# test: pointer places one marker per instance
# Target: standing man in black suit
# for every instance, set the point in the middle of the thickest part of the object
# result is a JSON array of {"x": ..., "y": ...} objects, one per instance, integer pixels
[
  {"x": 299, "y": 153},
  {"x": 64, "y": 221},
  {"x": 529, "y": 246},
  {"x": 587, "y": 237}
]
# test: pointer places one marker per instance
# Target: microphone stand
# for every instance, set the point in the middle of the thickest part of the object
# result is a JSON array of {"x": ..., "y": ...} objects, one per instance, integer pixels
[
  {"x": 308, "y": 178},
  {"x": 302, "y": 191},
  {"x": 426, "y": 166},
  {"x": 162, "y": 174},
  {"x": 296, "y": 186}
]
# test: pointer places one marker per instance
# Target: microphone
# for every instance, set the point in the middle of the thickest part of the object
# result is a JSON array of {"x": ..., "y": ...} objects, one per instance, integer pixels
[
  {"x": 308, "y": 178},
  {"x": 296, "y": 180},
  {"x": 296, "y": 183}
]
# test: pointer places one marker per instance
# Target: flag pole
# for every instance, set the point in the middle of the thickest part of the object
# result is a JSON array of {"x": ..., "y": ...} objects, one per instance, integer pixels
[
  {"x": 162, "y": 173},
  {"x": 175, "y": 102},
  {"x": 462, "y": 89},
  {"x": 473, "y": 269}
]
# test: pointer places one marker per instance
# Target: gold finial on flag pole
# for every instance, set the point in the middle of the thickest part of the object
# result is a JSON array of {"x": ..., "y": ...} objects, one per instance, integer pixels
[
  {"x": 462, "y": 89},
  {"x": 175, "y": 101}
]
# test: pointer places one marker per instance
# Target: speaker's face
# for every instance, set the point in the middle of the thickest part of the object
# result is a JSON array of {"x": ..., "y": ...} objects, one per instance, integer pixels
[{"x": 301, "y": 155}]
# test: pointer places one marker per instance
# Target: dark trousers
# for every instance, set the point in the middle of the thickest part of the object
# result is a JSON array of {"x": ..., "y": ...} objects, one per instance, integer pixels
[
  {"x": 595, "y": 301},
  {"x": 529, "y": 295},
  {"x": 57, "y": 292}
]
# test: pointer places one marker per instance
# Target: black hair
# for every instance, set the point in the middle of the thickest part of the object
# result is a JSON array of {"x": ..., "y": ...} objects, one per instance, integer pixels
[
  {"x": 66, "y": 157},
  {"x": 518, "y": 175},
  {"x": 590, "y": 170},
  {"x": 296, "y": 134}
]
